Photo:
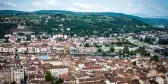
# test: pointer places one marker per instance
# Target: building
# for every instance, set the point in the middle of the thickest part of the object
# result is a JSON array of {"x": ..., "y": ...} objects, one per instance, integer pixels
[
  {"x": 58, "y": 70},
  {"x": 55, "y": 62},
  {"x": 17, "y": 74},
  {"x": 21, "y": 29},
  {"x": 5, "y": 75}
]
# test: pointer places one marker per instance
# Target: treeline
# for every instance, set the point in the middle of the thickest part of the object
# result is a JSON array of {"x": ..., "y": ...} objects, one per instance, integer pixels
[
  {"x": 83, "y": 25},
  {"x": 5, "y": 28}
]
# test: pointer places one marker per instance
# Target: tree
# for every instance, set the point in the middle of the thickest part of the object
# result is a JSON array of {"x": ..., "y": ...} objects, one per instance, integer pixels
[
  {"x": 6, "y": 82},
  {"x": 134, "y": 63},
  {"x": 59, "y": 81},
  {"x": 142, "y": 50},
  {"x": 28, "y": 38},
  {"x": 48, "y": 76},
  {"x": 120, "y": 52},
  {"x": 7, "y": 40},
  {"x": 19, "y": 39},
  {"x": 161, "y": 69},
  {"x": 25, "y": 77},
  {"x": 104, "y": 53},
  {"x": 13, "y": 82},
  {"x": 141, "y": 39},
  {"x": 155, "y": 58},
  {"x": 163, "y": 41},
  {"x": 22, "y": 81},
  {"x": 135, "y": 81},
  {"x": 149, "y": 40},
  {"x": 112, "y": 49},
  {"x": 38, "y": 37},
  {"x": 99, "y": 50},
  {"x": 166, "y": 53},
  {"x": 126, "y": 50},
  {"x": 132, "y": 52},
  {"x": 86, "y": 45}
]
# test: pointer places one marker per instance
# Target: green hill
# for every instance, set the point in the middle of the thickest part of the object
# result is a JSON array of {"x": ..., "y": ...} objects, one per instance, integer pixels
[
  {"x": 156, "y": 21},
  {"x": 82, "y": 23},
  {"x": 152, "y": 21},
  {"x": 91, "y": 24},
  {"x": 11, "y": 12}
]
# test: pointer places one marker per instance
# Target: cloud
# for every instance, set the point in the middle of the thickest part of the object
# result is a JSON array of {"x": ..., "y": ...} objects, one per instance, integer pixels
[
  {"x": 10, "y": 4},
  {"x": 141, "y": 6},
  {"x": 81, "y": 5},
  {"x": 37, "y": 3},
  {"x": 158, "y": 9},
  {"x": 45, "y": 4},
  {"x": 129, "y": 5},
  {"x": 7, "y": 5},
  {"x": 51, "y": 2},
  {"x": 84, "y": 7},
  {"x": 72, "y": 9}
]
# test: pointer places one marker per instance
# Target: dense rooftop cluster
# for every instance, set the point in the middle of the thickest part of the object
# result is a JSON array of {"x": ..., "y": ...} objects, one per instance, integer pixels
[{"x": 54, "y": 59}]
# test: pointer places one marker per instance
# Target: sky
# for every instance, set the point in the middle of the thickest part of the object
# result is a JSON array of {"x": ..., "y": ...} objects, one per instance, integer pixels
[{"x": 137, "y": 7}]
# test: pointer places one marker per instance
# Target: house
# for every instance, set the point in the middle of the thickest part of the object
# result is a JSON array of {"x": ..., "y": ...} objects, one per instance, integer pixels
[
  {"x": 88, "y": 49},
  {"x": 73, "y": 50},
  {"x": 58, "y": 70},
  {"x": 60, "y": 36},
  {"x": 5, "y": 75},
  {"x": 55, "y": 62},
  {"x": 17, "y": 74}
]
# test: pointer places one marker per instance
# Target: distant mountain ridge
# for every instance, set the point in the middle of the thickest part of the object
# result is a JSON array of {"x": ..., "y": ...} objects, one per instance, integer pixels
[
  {"x": 11, "y": 12},
  {"x": 161, "y": 20},
  {"x": 53, "y": 12},
  {"x": 156, "y": 21}
]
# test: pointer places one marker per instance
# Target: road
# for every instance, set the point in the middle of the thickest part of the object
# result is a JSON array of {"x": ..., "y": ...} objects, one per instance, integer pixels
[{"x": 149, "y": 48}]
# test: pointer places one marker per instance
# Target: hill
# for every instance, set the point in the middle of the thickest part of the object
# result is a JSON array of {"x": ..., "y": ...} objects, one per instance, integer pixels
[
  {"x": 152, "y": 21},
  {"x": 53, "y": 12},
  {"x": 11, "y": 12},
  {"x": 156, "y": 21},
  {"x": 82, "y": 23}
]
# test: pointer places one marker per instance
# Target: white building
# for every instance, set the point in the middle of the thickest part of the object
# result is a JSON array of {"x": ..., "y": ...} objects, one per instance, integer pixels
[
  {"x": 60, "y": 36},
  {"x": 17, "y": 74},
  {"x": 55, "y": 62},
  {"x": 55, "y": 72}
]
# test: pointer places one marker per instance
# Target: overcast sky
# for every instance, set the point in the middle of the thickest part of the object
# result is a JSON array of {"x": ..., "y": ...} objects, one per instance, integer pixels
[{"x": 146, "y": 7}]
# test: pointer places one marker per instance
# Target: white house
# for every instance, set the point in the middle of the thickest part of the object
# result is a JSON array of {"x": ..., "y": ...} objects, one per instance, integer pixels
[{"x": 56, "y": 71}]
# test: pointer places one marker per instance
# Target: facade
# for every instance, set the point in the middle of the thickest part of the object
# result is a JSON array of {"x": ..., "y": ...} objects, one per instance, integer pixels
[
  {"x": 54, "y": 62},
  {"x": 17, "y": 74},
  {"x": 5, "y": 75},
  {"x": 55, "y": 72}
]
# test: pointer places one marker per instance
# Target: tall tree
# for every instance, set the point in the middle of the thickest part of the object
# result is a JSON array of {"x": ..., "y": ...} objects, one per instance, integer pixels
[
  {"x": 19, "y": 39},
  {"x": 86, "y": 45},
  {"x": 155, "y": 58},
  {"x": 99, "y": 50},
  {"x": 48, "y": 76},
  {"x": 59, "y": 81},
  {"x": 126, "y": 50},
  {"x": 142, "y": 50},
  {"x": 13, "y": 82},
  {"x": 112, "y": 49},
  {"x": 28, "y": 37}
]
